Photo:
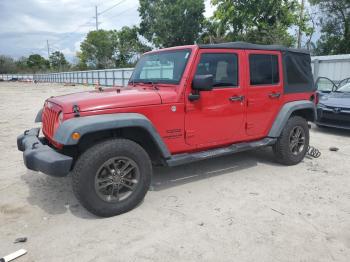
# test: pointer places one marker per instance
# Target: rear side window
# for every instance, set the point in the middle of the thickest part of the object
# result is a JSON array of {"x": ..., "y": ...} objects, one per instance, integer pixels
[
  {"x": 295, "y": 68},
  {"x": 223, "y": 67},
  {"x": 264, "y": 69}
]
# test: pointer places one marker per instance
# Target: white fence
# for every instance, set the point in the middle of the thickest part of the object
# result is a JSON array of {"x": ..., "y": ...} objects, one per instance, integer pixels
[
  {"x": 107, "y": 77},
  {"x": 335, "y": 67}
]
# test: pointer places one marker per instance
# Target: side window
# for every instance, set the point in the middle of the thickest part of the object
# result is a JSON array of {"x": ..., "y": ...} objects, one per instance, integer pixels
[
  {"x": 223, "y": 67},
  {"x": 264, "y": 69}
]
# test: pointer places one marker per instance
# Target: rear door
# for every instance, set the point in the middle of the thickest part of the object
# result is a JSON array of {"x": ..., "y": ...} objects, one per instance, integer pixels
[
  {"x": 264, "y": 91},
  {"x": 218, "y": 116}
]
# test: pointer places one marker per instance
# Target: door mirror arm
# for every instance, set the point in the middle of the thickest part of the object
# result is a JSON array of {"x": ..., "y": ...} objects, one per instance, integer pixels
[{"x": 193, "y": 96}]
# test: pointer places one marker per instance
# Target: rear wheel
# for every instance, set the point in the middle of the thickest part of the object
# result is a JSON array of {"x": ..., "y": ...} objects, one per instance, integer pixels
[
  {"x": 112, "y": 177},
  {"x": 292, "y": 145}
]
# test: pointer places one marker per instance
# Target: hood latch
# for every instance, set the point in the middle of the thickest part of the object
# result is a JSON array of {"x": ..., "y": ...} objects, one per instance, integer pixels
[{"x": 76, "y": 110}]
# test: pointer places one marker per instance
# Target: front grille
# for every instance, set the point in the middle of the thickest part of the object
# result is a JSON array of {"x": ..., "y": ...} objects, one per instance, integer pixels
[
  {"x": 336, "y": 116},
  {"x": 49, "y": 118}
]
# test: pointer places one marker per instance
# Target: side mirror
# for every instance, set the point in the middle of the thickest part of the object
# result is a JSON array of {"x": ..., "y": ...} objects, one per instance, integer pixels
[{"x": 203, "y": 83}]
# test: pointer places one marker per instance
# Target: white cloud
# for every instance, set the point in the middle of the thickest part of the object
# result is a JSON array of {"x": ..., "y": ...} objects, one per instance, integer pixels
[
  {"x": 209, "y": 9},
  {"x": 27, "y": 24}
]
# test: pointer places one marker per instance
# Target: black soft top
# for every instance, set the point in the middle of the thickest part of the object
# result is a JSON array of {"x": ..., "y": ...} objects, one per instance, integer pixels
[
  {"x": 244, "y": 45},
  {"x": 297, "y": 69}
]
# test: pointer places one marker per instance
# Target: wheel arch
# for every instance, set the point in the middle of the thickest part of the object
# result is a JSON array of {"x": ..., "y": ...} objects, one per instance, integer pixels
[
  {"x": 303, "y": 108},
  {"x": 93, "y": 129}
]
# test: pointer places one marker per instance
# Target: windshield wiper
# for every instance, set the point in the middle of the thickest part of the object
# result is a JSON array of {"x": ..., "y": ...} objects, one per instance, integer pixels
[{"x": 153, "y": 84}]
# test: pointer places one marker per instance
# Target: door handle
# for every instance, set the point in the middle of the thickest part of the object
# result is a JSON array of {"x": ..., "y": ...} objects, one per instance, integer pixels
[
  {"x": 274, "y": 95},
  {"x": 236, "y": 98}
]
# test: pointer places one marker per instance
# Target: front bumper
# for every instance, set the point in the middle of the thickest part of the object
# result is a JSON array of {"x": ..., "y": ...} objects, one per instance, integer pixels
[
  {"x": 333, "y": 117},
  {"x": 40, "y": 157}
]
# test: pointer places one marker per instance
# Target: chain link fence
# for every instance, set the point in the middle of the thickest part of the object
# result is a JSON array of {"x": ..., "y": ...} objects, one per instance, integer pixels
[{"x": 106, "y": 77}]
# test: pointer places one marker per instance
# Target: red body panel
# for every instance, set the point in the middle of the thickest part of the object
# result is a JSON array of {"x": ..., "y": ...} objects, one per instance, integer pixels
[
  {"x": 211, "y": 121},
  {"x": 214, "y": 119},
  {"x": 107, "y": 99},
  {"x": 261, "y": 108}
]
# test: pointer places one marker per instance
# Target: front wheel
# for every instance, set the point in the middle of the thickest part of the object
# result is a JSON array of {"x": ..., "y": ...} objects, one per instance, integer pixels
[
  {"x": 112, "y": 177},
  {"x": 292, "y": 145}
]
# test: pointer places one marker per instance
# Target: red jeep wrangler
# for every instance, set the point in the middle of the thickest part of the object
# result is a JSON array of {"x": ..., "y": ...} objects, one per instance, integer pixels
[{"x": 182, "y": 104}]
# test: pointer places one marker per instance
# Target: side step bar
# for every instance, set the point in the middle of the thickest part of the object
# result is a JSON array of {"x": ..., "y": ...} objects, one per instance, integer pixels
[{"x": 185, "y": 158}]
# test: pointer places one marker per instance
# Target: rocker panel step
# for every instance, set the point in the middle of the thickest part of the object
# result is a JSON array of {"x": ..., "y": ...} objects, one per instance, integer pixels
[{"x": 185, "y": 158}]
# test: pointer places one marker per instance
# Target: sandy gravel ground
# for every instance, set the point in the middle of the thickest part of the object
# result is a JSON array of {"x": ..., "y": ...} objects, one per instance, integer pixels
[{"x": 242, "y": 207}]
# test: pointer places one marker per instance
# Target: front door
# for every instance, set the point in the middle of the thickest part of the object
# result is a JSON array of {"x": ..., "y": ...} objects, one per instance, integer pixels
[
  {"x": 218, "y": 116},
  {"x": 264, "y": 92}
]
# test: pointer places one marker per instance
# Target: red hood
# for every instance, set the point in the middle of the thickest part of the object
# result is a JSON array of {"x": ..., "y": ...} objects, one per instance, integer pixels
[{"x": 107, "y": 99}]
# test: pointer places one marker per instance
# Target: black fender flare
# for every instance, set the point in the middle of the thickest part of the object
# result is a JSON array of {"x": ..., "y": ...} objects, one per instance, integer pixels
[
  {"x": 39, "y": 116},
  {"x": 90, "y": 124},
  {"x": 286, "y": 111}
]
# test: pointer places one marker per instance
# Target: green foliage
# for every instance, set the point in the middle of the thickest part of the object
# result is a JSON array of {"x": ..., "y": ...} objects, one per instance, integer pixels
[
  {"x": 98, "y": 48},
  {"x": 257, "y": 21},
  {"x": 58, "y": 61},
  {"x": 107, "y": 49},
  {"x": 7, "y": 65},
  {"x": 21, "y": 65},
  {"x": 128, "y": 47},
  {"x": 335, "y": 24},
  {"x": 168, "y": 23},
  {"x": 37, "y": 63}
]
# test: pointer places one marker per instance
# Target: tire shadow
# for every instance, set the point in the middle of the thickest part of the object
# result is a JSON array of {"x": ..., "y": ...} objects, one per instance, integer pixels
[
  {"x": 165, "y": 177},
  {"x": 55, "y": 195}
]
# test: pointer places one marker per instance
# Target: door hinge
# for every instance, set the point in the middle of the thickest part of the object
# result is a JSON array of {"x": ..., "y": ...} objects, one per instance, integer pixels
[
  {"x": 249, "y": 125},
  {"x": 189, "y": 108},
  {"x": 189, "y": 133}
]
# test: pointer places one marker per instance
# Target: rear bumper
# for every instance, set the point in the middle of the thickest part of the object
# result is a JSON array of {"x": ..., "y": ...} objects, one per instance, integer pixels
[{"x": 40, "y": 157}]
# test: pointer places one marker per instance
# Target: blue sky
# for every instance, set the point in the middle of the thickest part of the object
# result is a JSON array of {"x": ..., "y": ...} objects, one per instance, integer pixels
[{"x": 27, "y": 24}]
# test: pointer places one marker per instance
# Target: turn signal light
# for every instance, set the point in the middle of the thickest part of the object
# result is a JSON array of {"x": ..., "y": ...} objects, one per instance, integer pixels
[{"x": 75, "y": 136}]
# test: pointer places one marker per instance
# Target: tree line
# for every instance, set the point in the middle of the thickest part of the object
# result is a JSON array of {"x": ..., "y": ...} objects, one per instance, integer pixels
[{"x": 166, "y": 23}]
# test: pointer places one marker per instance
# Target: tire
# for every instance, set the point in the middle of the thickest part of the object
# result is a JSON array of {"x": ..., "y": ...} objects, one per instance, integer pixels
[
  {"x": 282, "y": 149},
  {"x": 104, "y": 174}
]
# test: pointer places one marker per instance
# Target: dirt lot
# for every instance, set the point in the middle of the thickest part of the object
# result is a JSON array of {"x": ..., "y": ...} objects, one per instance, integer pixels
[{"x": 242, "y": 207}]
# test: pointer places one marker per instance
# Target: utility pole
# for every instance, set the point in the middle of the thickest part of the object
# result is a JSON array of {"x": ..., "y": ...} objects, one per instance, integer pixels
[
  {"x": 301, "y": 18},
  {"x": 48, "y": 49},
  {"x": 96, "y": 18}
]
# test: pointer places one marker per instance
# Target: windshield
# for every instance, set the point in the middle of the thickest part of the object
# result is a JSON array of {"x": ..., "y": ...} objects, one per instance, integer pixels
[
  {"x": 161, "y": 67},
  {"x": 344, "y": 89}
]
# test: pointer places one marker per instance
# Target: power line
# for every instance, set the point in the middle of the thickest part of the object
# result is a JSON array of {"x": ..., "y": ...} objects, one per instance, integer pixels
[
  {"x": 97, "y": 14},
  {"x": 123, "y": 12},
  {"x": 88, "y": 22},
  {"x": 109, "y": 8}
]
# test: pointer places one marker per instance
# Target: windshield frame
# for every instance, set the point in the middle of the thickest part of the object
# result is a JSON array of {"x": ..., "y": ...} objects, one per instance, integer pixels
[
  {"x": 161, "y": 81},
  {"x": 347, "y": 86}
]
